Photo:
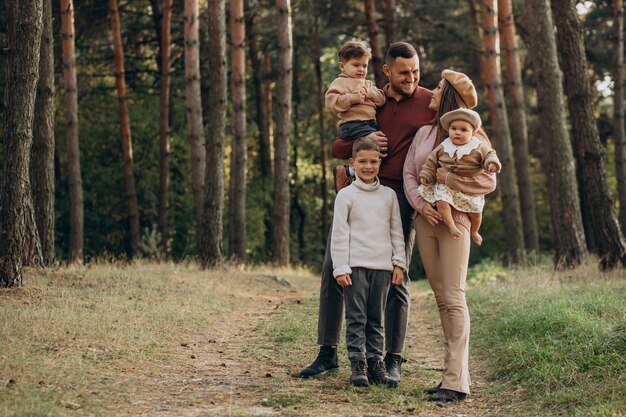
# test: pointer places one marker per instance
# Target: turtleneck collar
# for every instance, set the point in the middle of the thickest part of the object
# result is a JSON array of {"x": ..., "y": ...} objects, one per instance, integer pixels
[{"x": 366, "y": 187}]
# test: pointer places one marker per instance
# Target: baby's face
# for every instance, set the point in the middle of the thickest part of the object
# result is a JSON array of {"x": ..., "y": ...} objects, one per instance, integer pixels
[
  {"x": 460, "y": 132},
  {"x": 355, "y": 67}
]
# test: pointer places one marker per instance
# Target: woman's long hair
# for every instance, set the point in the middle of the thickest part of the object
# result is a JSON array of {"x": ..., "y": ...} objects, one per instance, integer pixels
[{"x": 451, "y": 100}]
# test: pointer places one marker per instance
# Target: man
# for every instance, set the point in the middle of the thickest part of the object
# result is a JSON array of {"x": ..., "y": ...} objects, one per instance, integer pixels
[{"x": 404, "y": 112}]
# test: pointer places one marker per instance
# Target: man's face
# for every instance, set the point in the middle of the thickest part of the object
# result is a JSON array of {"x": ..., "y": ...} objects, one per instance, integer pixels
[
  {"x": 355, "y": 67},
  {"x": 403, "y": 74}
]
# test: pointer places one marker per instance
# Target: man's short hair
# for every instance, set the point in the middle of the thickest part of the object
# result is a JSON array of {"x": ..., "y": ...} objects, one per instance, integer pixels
[
  {"x": 399, "y": 49},
  {"x": 353, "y": 49},
  {"x": 364, "y": 144}
]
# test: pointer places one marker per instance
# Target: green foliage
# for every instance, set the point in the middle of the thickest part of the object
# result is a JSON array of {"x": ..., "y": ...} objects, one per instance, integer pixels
[{"x": 562, "y": 345}]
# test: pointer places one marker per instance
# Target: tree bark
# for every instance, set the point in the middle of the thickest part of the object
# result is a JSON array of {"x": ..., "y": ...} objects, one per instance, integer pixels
[
  {"x": 511, "y": 216},
  {"x": 519, "y": 131},
  {"x": 557, "y": 154},
  {"x": 42, "y": 153},
  {"x": 618, "y": 108},
  {"x": 195, "y": 124},
  {"x": 24, "y": 28},
  {"x": 603, "y": 227},
  {"x": 390, "y": 21},
  {"x": 164, "y": 124},
  {"x": 127, "y": 145},
  {"x": 211, "y": 254},
  {"x": 239, "y": 152},
  {"x": 71, "y": 132},
  {"x": 377, "y": 54},
  {"x": 317, "y": 57},
  {"x": 479, "y": 44},
  {"x": 280, "y": 240}
]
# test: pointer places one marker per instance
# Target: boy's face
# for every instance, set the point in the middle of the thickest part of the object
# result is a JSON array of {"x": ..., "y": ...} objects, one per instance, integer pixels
[
  {"x": 354, "y": 67},
  {"x": 460, "y": 132},
  {"x": 366, "y": 165}
]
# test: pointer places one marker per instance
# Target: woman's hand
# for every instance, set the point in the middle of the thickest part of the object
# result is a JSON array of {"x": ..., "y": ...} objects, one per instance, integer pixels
[
  {"x": 344, "y": 280},
  {"x": 431, "y": 215}
]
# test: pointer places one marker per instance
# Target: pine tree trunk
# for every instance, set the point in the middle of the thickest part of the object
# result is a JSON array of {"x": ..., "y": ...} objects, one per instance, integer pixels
[
  {"x": 71, "y": 132},
  {"x": 127, "y": 145},
  {"x": 479, "y": 44},
  {"x": 618, "y": 108},
  {"x": 24, "y": 28},
  {"x": 280, "y": 240},
  {"x": 164, "y": 125},
  {"x": 266, "y": 99},
  {"x": 195, "y": 125},
  {"x": 238, "y": 156},
  {"x": 211, "y": 254},
  {"x": 390, "y": 21},
  {"x": 519, "y": 131},
  {"x": 595, "y": 193},
  {"x": 377, "y": 54},
  {"x": 317, "y": 57},
  {"x": 264, "y": 161},
  {"x": 511, "y": 216},
  {"x": 557, "y": 154},
  {"x": 42, "y": 154}
]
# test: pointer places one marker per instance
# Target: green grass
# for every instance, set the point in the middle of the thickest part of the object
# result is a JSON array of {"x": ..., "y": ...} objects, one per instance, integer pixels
[{"x": 557, "y": 339}]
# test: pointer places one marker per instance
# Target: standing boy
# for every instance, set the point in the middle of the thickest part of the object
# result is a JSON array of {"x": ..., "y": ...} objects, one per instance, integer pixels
[{"x": 368, "y": 254}]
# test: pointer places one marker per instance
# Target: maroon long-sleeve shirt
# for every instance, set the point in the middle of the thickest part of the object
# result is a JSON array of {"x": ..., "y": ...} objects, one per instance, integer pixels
[{"x": 399, "y": 121}]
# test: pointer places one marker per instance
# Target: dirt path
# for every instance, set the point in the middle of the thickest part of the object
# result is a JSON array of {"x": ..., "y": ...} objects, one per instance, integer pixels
[{"x": 217, "y": 374}]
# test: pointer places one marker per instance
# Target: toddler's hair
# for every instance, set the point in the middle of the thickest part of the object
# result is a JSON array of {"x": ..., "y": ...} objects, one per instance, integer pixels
[
  {"x": 364, "y": 144},
  {"x": 353, "y": 49}
]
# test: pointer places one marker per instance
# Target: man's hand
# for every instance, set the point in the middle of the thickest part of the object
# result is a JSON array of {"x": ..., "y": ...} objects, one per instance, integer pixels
[
  {"x": 380, "y": 138},
  {"x": 397, "y": 276},
  {"x": 431, "y": 215},
  {"x": 344, "y": 280}
]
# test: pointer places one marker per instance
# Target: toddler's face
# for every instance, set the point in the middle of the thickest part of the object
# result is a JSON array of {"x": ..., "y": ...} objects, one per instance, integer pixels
[
  {"x": 366, "y": 165},
  {"x": 460, "y": 132},
  {"x": 354, "y": 67}
]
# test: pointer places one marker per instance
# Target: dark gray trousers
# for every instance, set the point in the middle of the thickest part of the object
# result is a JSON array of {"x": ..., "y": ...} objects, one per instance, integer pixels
[
  {"x": 365, "y": 302},
  {"x": 398, "y": 297}
]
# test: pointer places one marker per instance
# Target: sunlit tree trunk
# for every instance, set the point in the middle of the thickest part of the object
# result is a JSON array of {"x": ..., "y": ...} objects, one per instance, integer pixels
[
  {"x": 603, "y": 227},
  {"x": 210, "y": 237},
  {"x": 24, "y": 28},
  {"x": 195, "y": 126},
  {"x": 280, "y": 239},
  {"x": 479, "y": 44},
  {"x": 164, "y": 124},
  {"x": 511, "y": 216},
  {"x": 390, "y": 21},
  {"x": 42, "y": 154},
  {"x": 238, "y": 156},
  {"x": 377, "y": 54},
  {"x": 618, "y": 108},
  {"x": 127, "y": 145},
  {"x": 71, "y": 132},
  {"x": 557, "y": 154},
  {"x": 517, "y": 123},
  {"x": 317, "y": 58}
]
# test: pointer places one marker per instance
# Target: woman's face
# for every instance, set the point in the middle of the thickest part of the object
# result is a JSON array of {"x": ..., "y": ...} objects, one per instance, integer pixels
[{"x": 436, "y": 98}]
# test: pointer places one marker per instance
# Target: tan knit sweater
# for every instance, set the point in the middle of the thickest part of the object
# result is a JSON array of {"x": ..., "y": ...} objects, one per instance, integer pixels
[
  {"x": 344, "y": 100},
  {"x": 367, "y": 230}
]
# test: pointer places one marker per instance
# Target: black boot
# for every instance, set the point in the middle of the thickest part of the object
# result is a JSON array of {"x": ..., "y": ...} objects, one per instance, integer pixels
[
  {"x": 432, "y": 390},
  {"x": 393, "y": 363},
  {"x": 326, "y": 361},
  {"x": 447, "y": 395},
  {"x": 378, "y": 374},
  {"x": 359, "y": 373}
]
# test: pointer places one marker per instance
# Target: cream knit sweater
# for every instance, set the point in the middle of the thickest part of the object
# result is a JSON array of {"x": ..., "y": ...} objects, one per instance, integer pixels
[{"x": 367, "y": 230}]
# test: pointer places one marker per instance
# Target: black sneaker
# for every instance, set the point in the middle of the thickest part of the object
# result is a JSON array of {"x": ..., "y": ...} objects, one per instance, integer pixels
[
  {"x": 432, "y": 390},
  {"x": 447, "y": 395},
  {"x": 378, "y": 374},
  {"x": 326, "y": 361},
  {"x": 359, "y": 373},
  {"x": 392, "y": 365}
]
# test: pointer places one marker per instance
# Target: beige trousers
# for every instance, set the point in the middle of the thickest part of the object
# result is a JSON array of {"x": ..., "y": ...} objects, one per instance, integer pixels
[{"x": 445, "y": 260}]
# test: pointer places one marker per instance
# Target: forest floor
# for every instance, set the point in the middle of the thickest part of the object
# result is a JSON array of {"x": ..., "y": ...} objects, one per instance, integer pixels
[{"x": 170, "y": 340}]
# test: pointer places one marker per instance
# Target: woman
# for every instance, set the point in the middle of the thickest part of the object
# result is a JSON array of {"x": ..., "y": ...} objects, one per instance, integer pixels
[{"x": 445, "y": 258}]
